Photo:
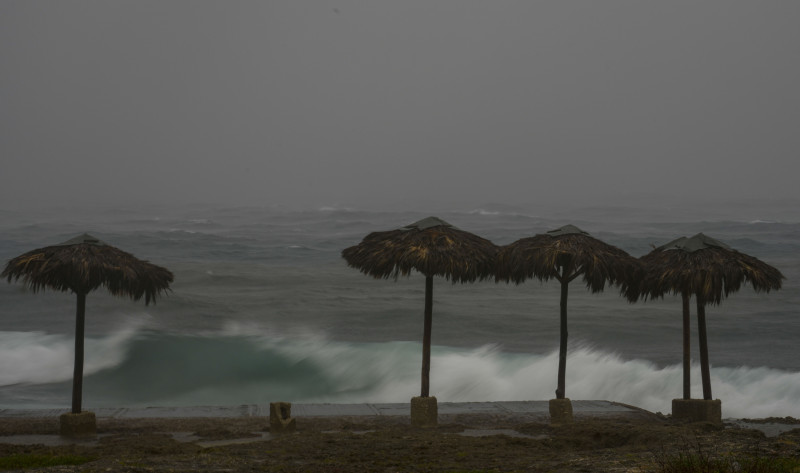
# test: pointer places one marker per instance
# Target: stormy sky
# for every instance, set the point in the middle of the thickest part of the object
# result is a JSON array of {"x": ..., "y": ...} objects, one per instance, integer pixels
[{"x": 373, "y": 103}]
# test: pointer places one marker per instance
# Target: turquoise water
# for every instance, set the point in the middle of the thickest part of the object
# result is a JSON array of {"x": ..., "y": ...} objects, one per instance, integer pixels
[{"x": 264, "y": 308}]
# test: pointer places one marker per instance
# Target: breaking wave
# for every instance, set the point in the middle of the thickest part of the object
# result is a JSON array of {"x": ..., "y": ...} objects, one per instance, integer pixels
[{"x": 143, "y": 368}]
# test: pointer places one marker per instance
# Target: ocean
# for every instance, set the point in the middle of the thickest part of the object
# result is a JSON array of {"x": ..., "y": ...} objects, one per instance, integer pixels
[{"x": 263, "y": 309}]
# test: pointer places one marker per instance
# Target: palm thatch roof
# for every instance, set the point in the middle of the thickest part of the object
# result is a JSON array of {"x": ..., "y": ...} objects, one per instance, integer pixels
[
  {"x": 85, "y": 263},
  {"x": 545, "y": 256},
  {"x": 431, "y": 246},
  {"x": 703, "y": 266}
]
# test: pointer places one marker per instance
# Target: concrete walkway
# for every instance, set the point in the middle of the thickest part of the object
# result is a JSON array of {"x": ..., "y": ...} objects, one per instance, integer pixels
[
  {"x": 529, "y": 410},
  {"x": 507, "y": 408}
]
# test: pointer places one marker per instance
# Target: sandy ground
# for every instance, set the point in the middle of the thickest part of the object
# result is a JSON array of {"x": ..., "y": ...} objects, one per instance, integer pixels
[{"x": 461, "y": 443}]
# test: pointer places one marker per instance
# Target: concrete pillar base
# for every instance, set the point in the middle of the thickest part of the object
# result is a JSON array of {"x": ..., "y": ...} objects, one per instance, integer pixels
[
  {"x": 424, "y": 412},
  {"x": 560, "y": 411},
  {"x": 78, "y": 425},
  {"x": 697, "y": 410},
  {"x": 280, "y": 418}
]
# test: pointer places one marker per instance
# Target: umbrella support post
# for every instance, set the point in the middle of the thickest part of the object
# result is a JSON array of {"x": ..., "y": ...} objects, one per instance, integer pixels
[
  {"x": 702, "y": 334},
  {"x": 424, "y": 412},
  {"x": 79, "y": 425},
  {"x": 560, "y": 411},
  {"x": 77, "y": 373},
  {"x": 697, "y": 410},
  {"x": 687, "y": 350}
]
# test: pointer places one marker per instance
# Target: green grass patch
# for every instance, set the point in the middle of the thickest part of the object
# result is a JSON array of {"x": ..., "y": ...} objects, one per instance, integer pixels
[{"x": 30, "y": 460}]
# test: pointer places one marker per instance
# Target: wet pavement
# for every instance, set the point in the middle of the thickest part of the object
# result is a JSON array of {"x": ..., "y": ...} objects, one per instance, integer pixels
[
  {"x": 530, "y": 410},
  {"x": 580, "y": 408},
  {"x": 538, "y": 410}
]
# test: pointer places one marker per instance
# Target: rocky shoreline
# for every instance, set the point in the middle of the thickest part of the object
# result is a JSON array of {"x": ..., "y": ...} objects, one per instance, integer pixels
[{"x": 356, "y": 444}]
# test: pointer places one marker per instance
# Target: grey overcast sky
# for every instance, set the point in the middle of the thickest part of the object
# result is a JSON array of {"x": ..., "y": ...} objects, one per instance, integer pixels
[{"x": 369, "y": 103}]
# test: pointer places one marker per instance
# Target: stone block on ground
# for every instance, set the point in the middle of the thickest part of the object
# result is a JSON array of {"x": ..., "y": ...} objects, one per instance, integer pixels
[
  {"x": 424, "y": 412},
  {"x": 78, "y": 425},
  {"x": 560, "y": 411},
  {"x": 280, "y": 418},
  {"x": 697, "y": 410}
]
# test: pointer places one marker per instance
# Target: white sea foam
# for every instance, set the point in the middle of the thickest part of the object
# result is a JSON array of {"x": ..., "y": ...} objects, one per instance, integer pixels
[
  {"x": 756, "y": 222},
  {"x": 335, "y": 208},
  {"x": 389, "y": 372},
  {"x": 247, "y": 364},
  {"x": 38, "y": 357},
  {"x": 484, "y": 212}
]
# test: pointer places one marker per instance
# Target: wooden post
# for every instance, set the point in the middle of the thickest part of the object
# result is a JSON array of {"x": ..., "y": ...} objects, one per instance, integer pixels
[
  {"x": 77, "y": 374},
  {"x": 702, "y": 335},
  {"x": 687, "y": 350},
  {"x": 562, "y": 350},
  {"x": 426, "y": 337}
]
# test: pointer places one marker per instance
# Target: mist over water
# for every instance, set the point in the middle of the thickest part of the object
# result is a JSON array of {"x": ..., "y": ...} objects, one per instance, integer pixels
[{"x": 263, "y": 308}]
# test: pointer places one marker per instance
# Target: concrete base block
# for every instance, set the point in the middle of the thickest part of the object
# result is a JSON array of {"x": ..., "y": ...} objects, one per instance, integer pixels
[
  {"x": 78, "y": 425},
  {"x": 697, "y": 410},
  {"x": 560, "y": 411},
  {"x": 424, "y": 412},
  {"x": 280, "y": 418}
]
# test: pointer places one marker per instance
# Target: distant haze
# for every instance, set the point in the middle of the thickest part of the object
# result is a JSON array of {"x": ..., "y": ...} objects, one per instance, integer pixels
[{"x": 385, "y": 103}]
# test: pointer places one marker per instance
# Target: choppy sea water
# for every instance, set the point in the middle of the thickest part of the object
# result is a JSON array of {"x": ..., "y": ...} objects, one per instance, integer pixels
[{"x": 264, "y": 308}]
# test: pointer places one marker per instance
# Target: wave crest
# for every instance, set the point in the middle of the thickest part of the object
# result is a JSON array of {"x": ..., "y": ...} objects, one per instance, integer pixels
[{"x": 135, "y": 368}]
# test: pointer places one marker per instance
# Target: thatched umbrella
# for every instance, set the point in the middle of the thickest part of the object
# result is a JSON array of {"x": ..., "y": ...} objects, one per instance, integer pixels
[
  {"x": 434, "y": 248},
  {"x": 709, "y": 270},
  {"x": 81, "y": 265},
  {"x": 564, "y": 254}
]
